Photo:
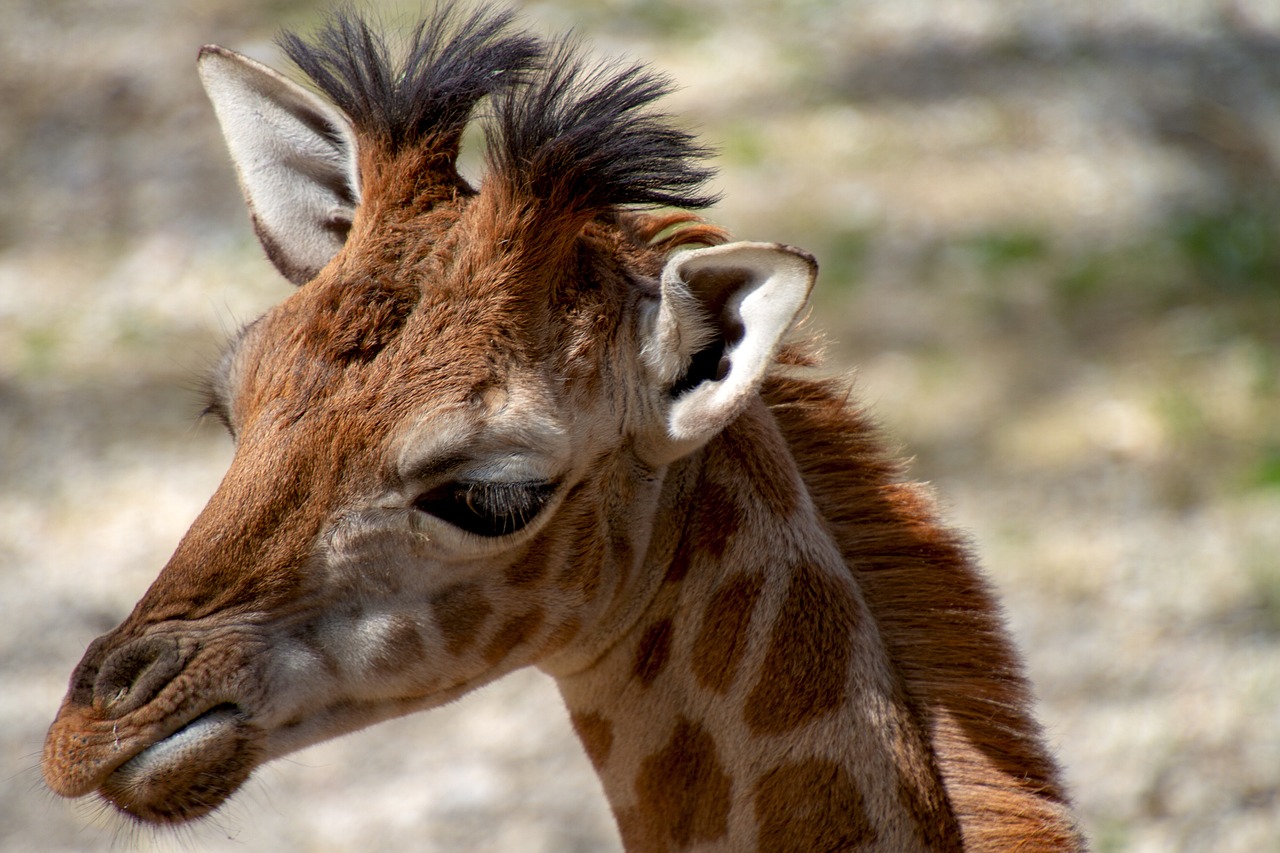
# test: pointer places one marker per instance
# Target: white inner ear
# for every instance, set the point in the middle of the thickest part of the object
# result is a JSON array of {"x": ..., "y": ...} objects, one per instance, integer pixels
[
  {"x": 746, "y": 294},
  {"x": 295, "y": 155}
]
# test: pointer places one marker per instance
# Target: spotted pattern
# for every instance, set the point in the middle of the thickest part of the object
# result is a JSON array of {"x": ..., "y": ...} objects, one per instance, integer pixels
[
  {"x": 596, "y": 733},
  {"x": 526, "y": 571},
  {"x": 710, "y": 527},
  {"x": 754, "y": 455},
  {"x": 313, "y": 638},
  {"x": 562, "y": 635},
  {"x": 684, "y": 792},
  {"x": 813, "y": 625},
  {"x": 516, "y": 630},
  {"x": 722, "y": 639},
  {"x": 401, "y": 647},
  {"x": 653, "y": 651},
  {"x": 461, "y": 611},
  {"x": 811, "y": 806}
]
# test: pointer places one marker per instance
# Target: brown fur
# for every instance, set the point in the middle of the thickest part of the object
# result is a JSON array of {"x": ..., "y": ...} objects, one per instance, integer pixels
[
  {"x": 810, "y": 806},
  {"x": 806, "y": 669},
  {"x": 683, "y": 790},
  {"x": 460, "y": 611},
  {"x": 515, "y": 631},
  {"x": 938, "y": 620},
  {"x": 596, "y": 733},
  {"x": 653, "y": 651},
  {"x": 725, "y": 627},
  {"x": 403, "y": 642}
]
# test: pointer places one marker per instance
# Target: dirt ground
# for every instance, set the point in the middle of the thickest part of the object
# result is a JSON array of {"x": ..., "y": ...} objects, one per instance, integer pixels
[{"x": 1050, "y": 239}]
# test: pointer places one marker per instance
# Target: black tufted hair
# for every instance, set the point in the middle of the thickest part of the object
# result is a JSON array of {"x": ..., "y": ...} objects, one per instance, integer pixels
[
  {"x": 446, "y": 69},
  {"x": 567, "y": 132}
]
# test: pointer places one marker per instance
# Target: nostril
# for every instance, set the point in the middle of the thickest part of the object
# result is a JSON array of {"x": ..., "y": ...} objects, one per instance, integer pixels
[
  {"x": 133, "y": 674},
  {"x": 86, "y": 672}
]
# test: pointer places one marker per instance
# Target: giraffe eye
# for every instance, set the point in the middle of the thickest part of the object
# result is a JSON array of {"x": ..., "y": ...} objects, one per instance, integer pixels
[{"x": 486, "y": 508}]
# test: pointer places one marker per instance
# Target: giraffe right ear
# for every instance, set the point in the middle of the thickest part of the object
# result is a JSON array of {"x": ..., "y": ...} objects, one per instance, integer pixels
[
  {"x": 296, "y": 158},
  {"x": 723, "y": 313}
]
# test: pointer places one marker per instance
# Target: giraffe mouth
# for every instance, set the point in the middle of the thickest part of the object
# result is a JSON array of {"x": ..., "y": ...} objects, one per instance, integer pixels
[{"x": 188, "y": 774}]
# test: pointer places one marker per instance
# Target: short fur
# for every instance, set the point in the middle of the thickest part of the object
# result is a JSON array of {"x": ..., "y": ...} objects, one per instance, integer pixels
[{"x": 937, "y": 617}]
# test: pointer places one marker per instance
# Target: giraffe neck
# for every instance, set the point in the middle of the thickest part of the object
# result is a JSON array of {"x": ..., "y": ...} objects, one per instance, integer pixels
[{"x": 753, "y": 706}]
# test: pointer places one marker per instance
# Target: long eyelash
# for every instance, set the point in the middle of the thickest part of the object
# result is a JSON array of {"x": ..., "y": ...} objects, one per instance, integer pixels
[
  {"x": 486, "y": 508},
  {"x": 515, "y": 504},
  {"x": 209, "y": 384},
  {"x": 214, "y": 405}
]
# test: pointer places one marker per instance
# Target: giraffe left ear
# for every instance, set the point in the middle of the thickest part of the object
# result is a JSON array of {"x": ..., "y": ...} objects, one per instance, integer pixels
[
  {"x": 295, "y": 156},
  {"x": 722, "y": 315}
]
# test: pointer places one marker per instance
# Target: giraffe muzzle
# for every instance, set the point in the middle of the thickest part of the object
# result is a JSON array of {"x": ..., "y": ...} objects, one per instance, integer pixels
[{"x": 138, "y": 729}]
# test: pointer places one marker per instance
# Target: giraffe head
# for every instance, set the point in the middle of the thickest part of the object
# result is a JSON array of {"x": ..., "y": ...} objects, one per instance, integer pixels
[{"x": 451, "y": 438}]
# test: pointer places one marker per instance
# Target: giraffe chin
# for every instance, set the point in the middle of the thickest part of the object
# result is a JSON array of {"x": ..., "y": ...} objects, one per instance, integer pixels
[{"x": 187, "y": 775}]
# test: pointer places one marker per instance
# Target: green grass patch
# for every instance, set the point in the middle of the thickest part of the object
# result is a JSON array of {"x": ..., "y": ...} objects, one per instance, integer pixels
[
  {"x": 843, "y": 257},
  {"x": 1236, "y": 247},
  {"x": 999, "y": 251},
  {"x": 1266, "y": 472}
]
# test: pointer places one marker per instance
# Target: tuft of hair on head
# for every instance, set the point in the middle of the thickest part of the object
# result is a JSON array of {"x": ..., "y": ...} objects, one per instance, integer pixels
[
  {"x": 428, "y": 92},
  {"x": 581, "y": 137}
]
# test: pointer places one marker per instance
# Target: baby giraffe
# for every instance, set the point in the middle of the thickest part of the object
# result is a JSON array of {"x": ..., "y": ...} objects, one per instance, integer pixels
[{"x": 524, "y": 422}]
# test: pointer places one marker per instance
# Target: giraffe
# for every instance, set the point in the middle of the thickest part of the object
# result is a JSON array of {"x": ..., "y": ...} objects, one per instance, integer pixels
[{"x": 533, "y": 422}]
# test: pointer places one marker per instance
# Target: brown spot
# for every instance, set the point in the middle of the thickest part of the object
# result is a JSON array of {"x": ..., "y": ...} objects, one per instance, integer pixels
[
  {"x": 579, "y": 549},
  {"x": 403, "y": 646},
  {"x": 514, "y": 631},
  {"x": 653, "y": 651},
  {"x": 637, "y": 836},
  {"x": 562, "y": 635},
  {"x": 596, "y": 734},
  {"x": 755, "y": 453},
  {"x": 936, "y": 615},
  {"x": 806, "y": 667},
  {"x": 357, "y": 320},
  {"x": 707, "y": 529},
  {"x": 525, "y": 571},
  {"x": 581, "y": 571},
  {"x": 722, "y": 640},
  {"x": 720, "y": 517},
  {"x": 684, "y": 793},
  {"x": 311, "y": 637},
  {"x": 805, "y": 806},
  {"x": 460, "y": 611},
  {"x": 683, "y": 557}
]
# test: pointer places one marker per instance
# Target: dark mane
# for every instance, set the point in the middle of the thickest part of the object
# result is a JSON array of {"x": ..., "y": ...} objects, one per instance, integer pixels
[
  {"x": 445, "y": 70},
  {"x": 582, "y": 135},
  {"x": 567, "y": 134},
  {"x": 938, "y": 618}
]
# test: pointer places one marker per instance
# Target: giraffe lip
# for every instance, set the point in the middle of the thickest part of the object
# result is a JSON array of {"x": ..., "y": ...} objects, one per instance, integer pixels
[
  {"x": 187, "y": 774},
  {"x": 202, "y": 731}
]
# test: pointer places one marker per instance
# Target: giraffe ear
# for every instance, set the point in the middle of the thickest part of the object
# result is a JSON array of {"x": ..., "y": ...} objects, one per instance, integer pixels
[
  {"x": 295, "y": 156},
  {"x": 723, "y": 313}
]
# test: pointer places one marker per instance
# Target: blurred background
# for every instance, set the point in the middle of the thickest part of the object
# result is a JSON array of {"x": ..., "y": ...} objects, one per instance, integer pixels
[{"x": 1050, "y": 242}]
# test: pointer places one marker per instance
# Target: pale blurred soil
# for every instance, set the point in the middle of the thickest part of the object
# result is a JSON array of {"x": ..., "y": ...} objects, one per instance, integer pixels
[{"x": 991, "y": 188}]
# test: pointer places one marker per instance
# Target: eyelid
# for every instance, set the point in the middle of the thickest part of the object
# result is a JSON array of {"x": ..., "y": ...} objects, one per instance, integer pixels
[
  {"x": 470, "y": 469},
  {"x": 434, "y": 469}
]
